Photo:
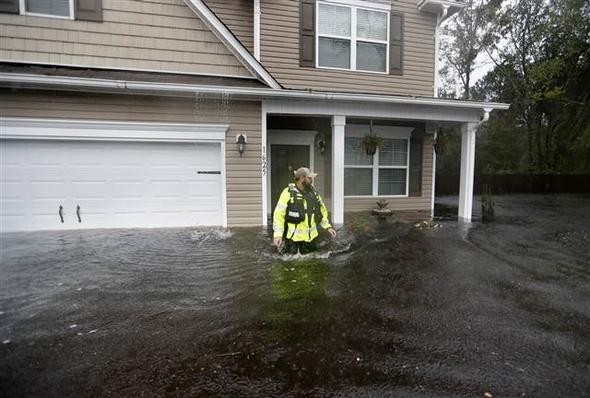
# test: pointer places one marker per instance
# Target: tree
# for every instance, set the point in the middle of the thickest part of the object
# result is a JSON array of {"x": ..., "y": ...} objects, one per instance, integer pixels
[
  {"x": 464, "y": 38},
  {"x": 541, "y": 56},
  {"x": 541, "y": 53}
]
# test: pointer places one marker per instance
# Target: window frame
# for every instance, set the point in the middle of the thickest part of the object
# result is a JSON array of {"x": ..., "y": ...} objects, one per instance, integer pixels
[
  {"x": 354, "y": 6},
  {"x": 23, "y": 11},
  {"x": 376, "y": 166}
]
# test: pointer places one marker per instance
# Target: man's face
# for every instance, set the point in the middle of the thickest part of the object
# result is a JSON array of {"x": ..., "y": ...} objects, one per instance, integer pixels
[{"x": 306, "y": 181}]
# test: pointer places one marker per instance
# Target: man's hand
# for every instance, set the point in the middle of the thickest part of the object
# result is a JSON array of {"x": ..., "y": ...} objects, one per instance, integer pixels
[
  {"x": 277, "y": 241},
  {"x": 332, "y": 232}
]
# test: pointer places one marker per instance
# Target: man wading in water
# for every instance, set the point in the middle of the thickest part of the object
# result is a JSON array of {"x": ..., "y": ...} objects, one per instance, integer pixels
[{"x": 299, "y": 211}]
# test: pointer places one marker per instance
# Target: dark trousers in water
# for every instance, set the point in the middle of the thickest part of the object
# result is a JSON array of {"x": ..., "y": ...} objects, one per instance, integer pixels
[{"x": 301, "y": 247}]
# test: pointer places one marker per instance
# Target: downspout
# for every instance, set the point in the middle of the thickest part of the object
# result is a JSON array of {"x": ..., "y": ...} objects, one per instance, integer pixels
[
  {"x": 257, "y": 29},
  {"x": 439, "y": 20}
]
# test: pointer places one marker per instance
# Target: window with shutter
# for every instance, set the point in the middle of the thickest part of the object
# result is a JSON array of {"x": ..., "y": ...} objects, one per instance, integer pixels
[
  {"x": 352, "y": 38},
  {"x": 382, "y": 174},
  {"x": 48, "y": 8},
  {"x": 86, "y": 10}
]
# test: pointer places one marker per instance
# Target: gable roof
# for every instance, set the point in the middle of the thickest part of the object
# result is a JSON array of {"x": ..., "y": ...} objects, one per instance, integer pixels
[{"x": 233, "y": 44}]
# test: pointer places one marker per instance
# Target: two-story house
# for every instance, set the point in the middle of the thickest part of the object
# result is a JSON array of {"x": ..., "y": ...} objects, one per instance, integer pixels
[{"x": 148, "y": 113}]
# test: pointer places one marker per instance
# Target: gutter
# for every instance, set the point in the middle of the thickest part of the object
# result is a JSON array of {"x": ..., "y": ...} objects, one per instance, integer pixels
[{"x": 147, "y": 88}]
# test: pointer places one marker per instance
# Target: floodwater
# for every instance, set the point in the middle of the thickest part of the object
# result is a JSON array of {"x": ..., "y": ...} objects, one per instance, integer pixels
[{"x": 388, "y": 310}]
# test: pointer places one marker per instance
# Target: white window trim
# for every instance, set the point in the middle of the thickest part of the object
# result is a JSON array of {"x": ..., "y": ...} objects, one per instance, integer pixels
[
  {"x": 375, "y": 167},
  {"x": 354, "y": 5},
  {"x": 23, "y": 11}
]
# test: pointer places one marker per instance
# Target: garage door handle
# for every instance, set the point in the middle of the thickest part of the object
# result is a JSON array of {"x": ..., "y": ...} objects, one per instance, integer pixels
[
  {"x": 208, "y": 172},
  {"x": 61, "y": 213},
  {"x": 78, "y": 213}
]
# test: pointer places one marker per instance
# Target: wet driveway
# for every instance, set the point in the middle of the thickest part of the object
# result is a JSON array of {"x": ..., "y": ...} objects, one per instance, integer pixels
[{"x": 501, "y": 309}]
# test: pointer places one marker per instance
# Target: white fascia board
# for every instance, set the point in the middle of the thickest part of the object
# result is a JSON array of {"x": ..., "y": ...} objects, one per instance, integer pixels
[
  {"x": 189, "y": 90},
  {"x": 84, "y": 130},
  {"x": 438, "y": 6},
  {"x": 233, "y": 44}
]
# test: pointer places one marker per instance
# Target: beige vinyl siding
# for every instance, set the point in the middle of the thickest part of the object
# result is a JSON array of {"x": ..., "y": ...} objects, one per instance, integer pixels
[
  {"x": 403, "y": 204},
  {"x": 244, "y": 183},
  {"x": 164, "y": 35},
  {"x": 238, "y": 16},
  {"x": 280, "y": 54}
]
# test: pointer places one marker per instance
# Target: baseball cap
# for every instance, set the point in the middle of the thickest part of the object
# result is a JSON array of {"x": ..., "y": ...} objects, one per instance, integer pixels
[{"x": 304, "y": 171}]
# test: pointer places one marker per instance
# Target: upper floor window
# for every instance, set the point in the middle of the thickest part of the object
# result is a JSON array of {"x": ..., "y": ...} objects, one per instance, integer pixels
[
  {"x": 48, "y": 8},
  {"x": 351, "y": 37}
]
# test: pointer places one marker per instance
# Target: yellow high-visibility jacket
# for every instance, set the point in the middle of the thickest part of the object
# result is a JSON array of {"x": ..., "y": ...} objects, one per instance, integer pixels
[{"x": 305, "y": 231}]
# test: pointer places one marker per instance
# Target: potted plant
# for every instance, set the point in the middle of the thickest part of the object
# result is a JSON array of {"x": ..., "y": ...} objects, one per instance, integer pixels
[
  {"x": 371, "y": 142},
  {"x": 382, "y": 209}
]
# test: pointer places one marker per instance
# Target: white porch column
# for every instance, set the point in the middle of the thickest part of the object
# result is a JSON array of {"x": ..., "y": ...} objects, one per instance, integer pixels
[
  {"x": 467, "y": 170},
  {"x": 338, "y": 123}
]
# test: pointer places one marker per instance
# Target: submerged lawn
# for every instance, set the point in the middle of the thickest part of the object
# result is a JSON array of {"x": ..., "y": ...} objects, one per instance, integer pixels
[{"x": 501, "y": 308}]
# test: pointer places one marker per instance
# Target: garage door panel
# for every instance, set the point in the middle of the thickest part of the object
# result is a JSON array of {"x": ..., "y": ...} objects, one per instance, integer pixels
[
  {"x": 12, "y": 190},
  {"x": 116, "y": 184}
]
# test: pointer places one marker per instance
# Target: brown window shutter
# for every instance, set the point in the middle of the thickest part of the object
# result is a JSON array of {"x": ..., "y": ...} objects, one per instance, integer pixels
[
  {"x": 89, "y": 10},
  {"x": 9, "y": 6},
  {"x": 396, "y": 36},
  {"x": 307, "y": 34},
  {"x": 415, "y": 187}
]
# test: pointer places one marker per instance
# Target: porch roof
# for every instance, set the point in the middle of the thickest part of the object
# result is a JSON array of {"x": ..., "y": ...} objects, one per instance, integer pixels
[{"x": 139, "y": 87}]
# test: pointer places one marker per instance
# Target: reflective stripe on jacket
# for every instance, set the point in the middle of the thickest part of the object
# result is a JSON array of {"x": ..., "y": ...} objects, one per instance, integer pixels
[{"x": 305, "y": 231}]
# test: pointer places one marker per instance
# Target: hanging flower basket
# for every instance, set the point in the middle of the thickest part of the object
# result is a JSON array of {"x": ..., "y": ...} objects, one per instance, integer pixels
[{"x": 371, "y": 143}]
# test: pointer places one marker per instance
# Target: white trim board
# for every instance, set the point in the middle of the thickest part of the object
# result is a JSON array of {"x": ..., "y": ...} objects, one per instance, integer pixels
[
  {"x": 438, "y": 7},
  {"x": 232, "y": 43},
  {"x": 290, "y": 99},
  {"x": 377, "y": 5},
  {"x": 108, "y": 68},
  {"x": 264, "y": 166},
  {"x": 57, "y": 129},
  {"x": 408, "y": 111}
]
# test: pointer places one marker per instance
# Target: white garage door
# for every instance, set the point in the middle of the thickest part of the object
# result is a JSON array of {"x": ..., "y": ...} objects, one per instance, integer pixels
[{"x": 52, "y": 184}]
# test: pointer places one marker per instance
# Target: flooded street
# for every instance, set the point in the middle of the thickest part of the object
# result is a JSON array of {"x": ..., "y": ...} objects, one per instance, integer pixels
[{"x": 389, "y": 310}]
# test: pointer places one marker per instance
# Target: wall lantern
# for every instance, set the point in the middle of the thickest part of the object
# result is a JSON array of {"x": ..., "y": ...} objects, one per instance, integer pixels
[
  {"x": 241, "y": 141},
  {"x": 322, "y": 146}
]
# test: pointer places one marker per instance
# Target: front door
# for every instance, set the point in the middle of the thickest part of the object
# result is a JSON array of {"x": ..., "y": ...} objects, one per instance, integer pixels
[{"x": 285, "y": 159}]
